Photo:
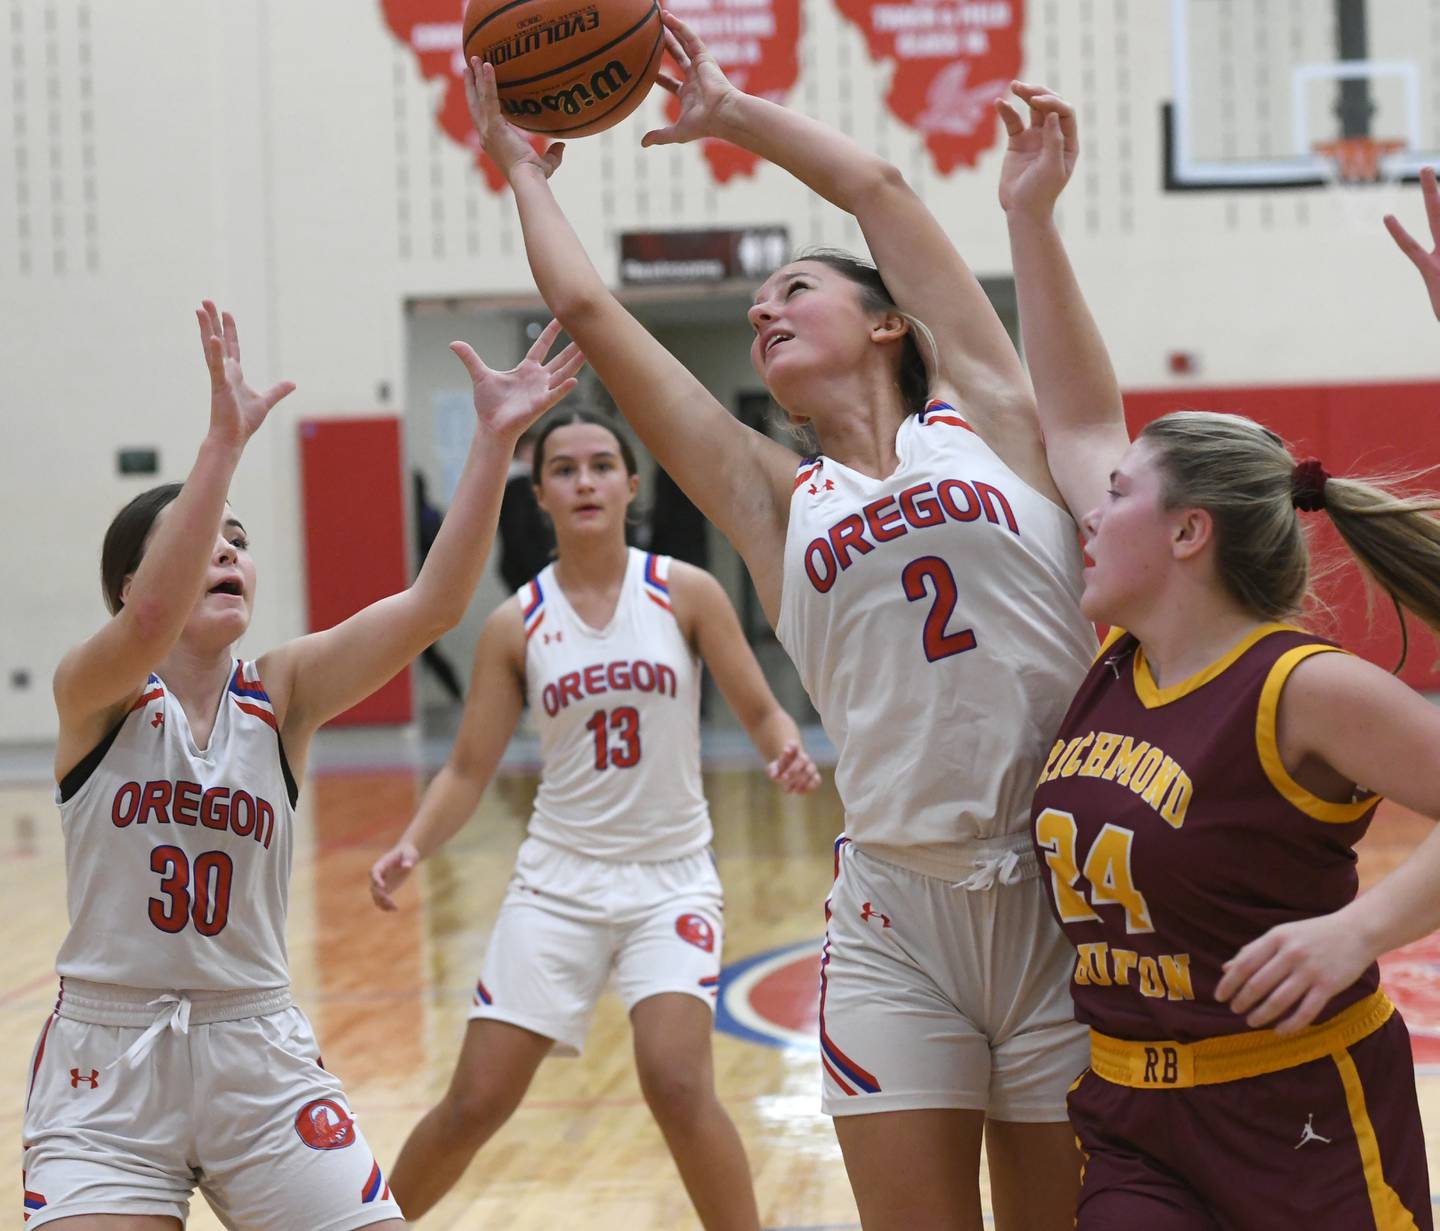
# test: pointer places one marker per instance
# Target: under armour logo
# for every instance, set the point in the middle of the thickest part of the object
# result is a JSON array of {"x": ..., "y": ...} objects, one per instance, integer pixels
[
  {"x": 158, "y": 720},
  {"x": 76, "y": 1077},
  {"x": 866, "y": 913},
  {"x": 828, "y": 485},
  {"x": 1308, "y": 1133},
  {"x": 547, "y": 637}
]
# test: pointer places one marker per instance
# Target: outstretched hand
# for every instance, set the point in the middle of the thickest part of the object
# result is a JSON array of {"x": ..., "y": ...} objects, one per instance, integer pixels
[
  {"x": 1040, "y": 156},
  {"x": 236, "y": 410},
  {"x": 1293, "y": 971},
  {"x": 501, "y": 140},
  {"x": 793, "y": 771},
  {"x": 1428, "y": 263},
  {"x": 506, "y": 403},
  {"x": 703, "y": 94},
  {"x": 389, "y": 872}
]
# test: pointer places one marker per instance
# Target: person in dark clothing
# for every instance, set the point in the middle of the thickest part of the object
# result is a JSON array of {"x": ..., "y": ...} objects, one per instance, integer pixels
[
  {"x": 526, "y": 540},
  {"x": 427, "y": 526}
]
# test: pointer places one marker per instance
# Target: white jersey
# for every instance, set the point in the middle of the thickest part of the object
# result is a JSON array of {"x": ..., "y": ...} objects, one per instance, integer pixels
[
  {"x": 618, "y": 709},
  {"x": 177, "y": 859},
  {"x": 934, "y": 617}
]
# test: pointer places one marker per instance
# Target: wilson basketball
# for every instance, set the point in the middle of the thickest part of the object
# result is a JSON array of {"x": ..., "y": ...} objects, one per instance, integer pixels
[{"x": 564, "y": 69}]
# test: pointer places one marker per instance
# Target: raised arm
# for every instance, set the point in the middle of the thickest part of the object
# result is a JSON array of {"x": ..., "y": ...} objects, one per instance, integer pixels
[
  {"x": 1076, "y": 393},
  {"x": 1427, "y": 263},
  {"x": 921, "y": 267},
  {"x": 98, "y": 679},
  {"x": 326, "y": 672},
  {"x": 738, "y": 478},
  {"x": 492, "y": 710},
  {"x": 710, "y": 622}
]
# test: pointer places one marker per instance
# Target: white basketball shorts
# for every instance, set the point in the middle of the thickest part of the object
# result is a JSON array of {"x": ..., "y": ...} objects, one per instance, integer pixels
[
  {"x": 131, "y": 1119},
  {"x": 937, "y": 996},
  {"x": 569, "y": 921}
]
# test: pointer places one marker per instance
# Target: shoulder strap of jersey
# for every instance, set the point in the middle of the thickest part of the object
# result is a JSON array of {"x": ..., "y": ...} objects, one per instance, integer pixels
[{"x": 655, "y": 580}]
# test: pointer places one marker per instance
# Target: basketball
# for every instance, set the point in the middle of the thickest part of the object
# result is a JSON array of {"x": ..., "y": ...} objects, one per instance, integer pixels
[{"x": 567, "y": 70}]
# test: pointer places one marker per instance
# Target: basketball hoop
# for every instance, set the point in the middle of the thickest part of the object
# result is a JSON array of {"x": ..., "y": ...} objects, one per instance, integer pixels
[
  {"x": 1356, "y": 168},
  {"x": 1357, "y": 160}
]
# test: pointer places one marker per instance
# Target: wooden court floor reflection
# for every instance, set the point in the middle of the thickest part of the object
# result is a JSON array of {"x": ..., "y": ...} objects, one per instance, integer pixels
[{"x": 388, "y": 996}]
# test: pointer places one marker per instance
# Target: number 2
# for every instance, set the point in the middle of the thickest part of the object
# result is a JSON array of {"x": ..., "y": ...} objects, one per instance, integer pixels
[{"x": 937, "y": 642}]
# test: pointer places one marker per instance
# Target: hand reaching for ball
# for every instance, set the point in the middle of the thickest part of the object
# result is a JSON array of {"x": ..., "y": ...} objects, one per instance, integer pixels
[
  {"x": 506, "y": 145},
  {"x": 704, "y": 94}
]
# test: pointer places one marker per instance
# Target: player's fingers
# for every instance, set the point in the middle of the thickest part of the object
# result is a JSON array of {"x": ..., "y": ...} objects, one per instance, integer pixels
[
  {"x": 692, "y": 43},
  {"x": 676, "y": 50},
  {"x": 1285, "y": 994},
  {"x": 544, "y": 340},
  {"x": 1307, "y": 1011},
  {"x": 276, "y": 393},
  {"x": 466, "y": 354},
  {"x": 1432, "y": 201},
  {"x": 1409, "y": 245},
  {"x": 1244, "y": 964},
  {"x": 1014, "y": 125},
  {"x": 1259, "y": 985},
  {"x": 667, "y": 82},
  {"x": 232, "y": 336}
]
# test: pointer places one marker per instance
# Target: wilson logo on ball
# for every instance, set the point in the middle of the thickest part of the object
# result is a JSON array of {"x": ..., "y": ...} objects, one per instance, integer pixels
[{"x": 564, "y": 70}]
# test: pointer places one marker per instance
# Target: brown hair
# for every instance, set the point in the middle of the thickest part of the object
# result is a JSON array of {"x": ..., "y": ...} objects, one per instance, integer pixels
[
  {"x": 1243, "y": 475},
  {"x": 124, "y": 545},
  {"x": 568, "y": 418}
]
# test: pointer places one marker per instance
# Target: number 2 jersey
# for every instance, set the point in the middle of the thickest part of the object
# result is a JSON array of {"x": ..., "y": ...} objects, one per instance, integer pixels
[
  {"x": 618, "y": 711},
  {"x": 177, "y": 858},
  {"x": 934, "y": 617},
  {"x": 1174, "y": 835}
]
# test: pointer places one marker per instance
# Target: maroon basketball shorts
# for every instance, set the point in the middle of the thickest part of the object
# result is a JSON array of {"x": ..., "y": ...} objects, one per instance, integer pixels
[{"x": 1331, "y": 1144}]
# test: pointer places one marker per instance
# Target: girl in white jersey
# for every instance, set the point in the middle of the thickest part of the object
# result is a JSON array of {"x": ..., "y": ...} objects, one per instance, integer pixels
[
  {"x": 616, "y": 875},
  {"x": 175, "y": 1056},
  {"x": 925, "y": 577}
]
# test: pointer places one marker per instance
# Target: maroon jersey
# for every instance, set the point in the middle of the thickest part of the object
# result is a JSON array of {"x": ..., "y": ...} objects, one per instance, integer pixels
[{"x": 1174, "y": 836}]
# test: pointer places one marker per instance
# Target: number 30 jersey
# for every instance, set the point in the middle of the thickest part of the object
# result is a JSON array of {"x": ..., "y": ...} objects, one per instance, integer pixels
[
  {"x": 618, "y": 710},
  {"x": 934, "y": 617},
  {"x": 177, "y": 858}
]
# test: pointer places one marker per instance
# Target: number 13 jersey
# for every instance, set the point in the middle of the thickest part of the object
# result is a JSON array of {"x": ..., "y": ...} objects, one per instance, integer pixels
[
  {"x": 618, "y": 710},
  {"x": 934, "y": 617}
]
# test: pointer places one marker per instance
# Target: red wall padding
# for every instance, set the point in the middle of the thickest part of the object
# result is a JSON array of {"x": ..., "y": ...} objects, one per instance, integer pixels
[
  {"x": 354, "y": 510},
  {"x": 1355, "y": 430}
]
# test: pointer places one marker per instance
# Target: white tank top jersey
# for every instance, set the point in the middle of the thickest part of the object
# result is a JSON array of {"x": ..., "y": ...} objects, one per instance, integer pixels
[
  {"x": 177, "y": 859},
  {"x": 618, "y": 710},
  {"x": 934, "y": 617}
]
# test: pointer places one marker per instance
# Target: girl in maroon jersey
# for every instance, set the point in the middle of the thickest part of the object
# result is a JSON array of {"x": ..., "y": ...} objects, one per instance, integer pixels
[
  {"x": 616, "y": 874},
  {"x": 1200, "y": 806}
]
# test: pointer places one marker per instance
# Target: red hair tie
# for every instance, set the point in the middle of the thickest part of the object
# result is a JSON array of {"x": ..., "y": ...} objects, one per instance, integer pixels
[{"x": 1307, "y": 485}]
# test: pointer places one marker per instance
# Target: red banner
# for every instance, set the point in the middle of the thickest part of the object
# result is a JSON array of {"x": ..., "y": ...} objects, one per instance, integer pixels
[
  {"x": 757, "y": 43},
  {"x": 432, "y": 30},
  {"x": 953, "y": 59}
]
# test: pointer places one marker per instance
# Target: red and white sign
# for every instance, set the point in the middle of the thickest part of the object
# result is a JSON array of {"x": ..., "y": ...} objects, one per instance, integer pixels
[
  {"x": 432, "y": 30},
  {"x": 953, "y": 59},
  {"x": 757, "y": 43}
]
